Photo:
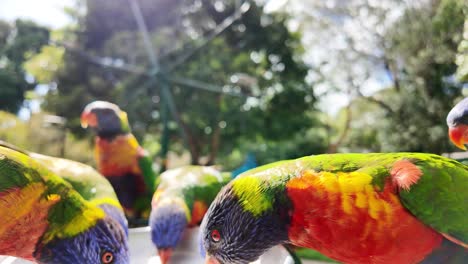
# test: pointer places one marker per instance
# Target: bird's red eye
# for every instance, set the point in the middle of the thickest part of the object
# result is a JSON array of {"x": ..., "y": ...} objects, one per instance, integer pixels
[
  {"x": 107, "y": 258},
  {"x": 215, "y": 236}
]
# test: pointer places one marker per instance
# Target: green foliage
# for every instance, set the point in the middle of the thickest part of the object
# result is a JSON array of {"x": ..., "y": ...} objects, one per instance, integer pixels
[
  {"x": 13, "y": 130},
  {"x": 44, "y": 65},
  {"x": 257, "y": 56},
  {"x": 424, "y": 42},
  {"x": 462, "y": 56},
  {"x": 363, "y": 132},
  {"x": 36, "y": 136},
  {"x": 427, "y": 93},
  {"x": 17, "y": 43}
]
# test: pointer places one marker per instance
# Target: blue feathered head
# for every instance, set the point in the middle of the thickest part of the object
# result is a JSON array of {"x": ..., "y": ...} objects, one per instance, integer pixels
[{"x": 167, "y": 221}]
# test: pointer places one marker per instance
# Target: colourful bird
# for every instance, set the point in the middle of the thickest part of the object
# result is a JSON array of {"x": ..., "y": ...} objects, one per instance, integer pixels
[
  {"x": 120, "y": 158},
  {"x": 354, "y": 208},
  {"x": 181, "y": 200},
  {"x": 89, "y": 183},
  {"x": 43, "y": 219},
  {"x": 457, "y": 121}
]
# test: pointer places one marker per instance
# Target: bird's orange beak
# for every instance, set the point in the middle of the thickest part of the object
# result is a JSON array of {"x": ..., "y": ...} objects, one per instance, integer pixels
[
  {"x": 457, "y": 135},
  {"x": 88, "y": 119},
  {"x": 210, "y": 260},
  {"x": 164, "y": 255}
]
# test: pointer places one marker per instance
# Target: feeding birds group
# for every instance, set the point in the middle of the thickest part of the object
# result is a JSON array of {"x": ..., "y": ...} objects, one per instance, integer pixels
[{"x": 353, "y": 208}]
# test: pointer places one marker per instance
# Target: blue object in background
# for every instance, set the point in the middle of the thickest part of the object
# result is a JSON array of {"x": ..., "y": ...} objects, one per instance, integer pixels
[{"x": 249, "y": 163}]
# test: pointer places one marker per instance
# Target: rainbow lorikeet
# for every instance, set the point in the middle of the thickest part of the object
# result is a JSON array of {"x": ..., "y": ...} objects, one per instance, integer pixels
[
  {"x": 120, "y": 158},
  {"x": 44, "y": 219},
  {"x": 354, "y": 208},
  {"x": 181, "y": 200},
  {"x": 457, "y": 121}
]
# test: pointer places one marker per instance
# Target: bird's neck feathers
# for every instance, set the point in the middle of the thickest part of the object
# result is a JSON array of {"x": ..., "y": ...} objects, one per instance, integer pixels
[
  {"x": 115, "y": 211},
  {"x": 269, "y": 205},
  {"x": 116, "y": 128},
  {"x": 105, "y": 234},
  {"x": 257, "y": 198},
  {"x": 78, "y": 220},
  {"x": 111, "y": 135},
  {"x": 80, "y": 215}
]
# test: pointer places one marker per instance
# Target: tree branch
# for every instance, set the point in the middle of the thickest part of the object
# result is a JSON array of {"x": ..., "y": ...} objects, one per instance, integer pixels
[
  {"x": 376, "y": 101},
  {"x": 393, "y": 72},
  {"x": 333, "y": 147},
  {"x": 215, "y": 139}
]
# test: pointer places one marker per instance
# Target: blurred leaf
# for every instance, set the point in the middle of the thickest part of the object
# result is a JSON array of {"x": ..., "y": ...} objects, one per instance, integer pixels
[
  {"x": 44, "y": 65},
  {"x": 270, "y": 84},
  {"x": 18, "y": 42}
]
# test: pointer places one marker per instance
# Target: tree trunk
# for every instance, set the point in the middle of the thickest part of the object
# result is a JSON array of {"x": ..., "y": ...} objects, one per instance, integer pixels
[
  {"x": 333, "y": 147},
  {"x": 216, "y": 137}
]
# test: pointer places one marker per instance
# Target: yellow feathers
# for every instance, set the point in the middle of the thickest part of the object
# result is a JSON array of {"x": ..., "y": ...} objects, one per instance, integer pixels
[
  {"x": 106, "y": 200},
  {"x": 82, "y": 222},
  {"x": 250, "y": 193},
  {"x": 31, "y": 203},
  {"x": 354, "y": 189},
  {"x": 53, "y": 197}
]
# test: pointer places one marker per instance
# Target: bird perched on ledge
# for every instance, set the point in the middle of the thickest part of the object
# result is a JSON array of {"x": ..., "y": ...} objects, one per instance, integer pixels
[
  {"x": 120, "y": 158},
  {"x": 43, "y": 219},
  {"x": 354, "y": 208},
  {"x": 457, "y": 121},
  {"x": 181, "y": 200}
]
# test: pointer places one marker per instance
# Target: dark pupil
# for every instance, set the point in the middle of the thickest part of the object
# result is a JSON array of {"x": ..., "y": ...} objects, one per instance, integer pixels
[
  {"x": 107, "y": 257},
  {"x": 215, "y": 235}
]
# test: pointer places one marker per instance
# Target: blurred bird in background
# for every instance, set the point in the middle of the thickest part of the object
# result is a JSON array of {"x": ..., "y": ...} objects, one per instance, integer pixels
[
  {"x": 120, "y": 158},
  {"x": 457, "y": 121},
  {"x": 181, "y": 200}
]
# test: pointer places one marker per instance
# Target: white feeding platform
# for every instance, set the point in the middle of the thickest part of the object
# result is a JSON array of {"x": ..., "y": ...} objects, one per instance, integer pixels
[{"x": 142, "y": 251}]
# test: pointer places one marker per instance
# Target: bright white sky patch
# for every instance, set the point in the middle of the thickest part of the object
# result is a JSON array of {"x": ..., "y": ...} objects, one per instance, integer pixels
[{"x": 45, "y": 12}]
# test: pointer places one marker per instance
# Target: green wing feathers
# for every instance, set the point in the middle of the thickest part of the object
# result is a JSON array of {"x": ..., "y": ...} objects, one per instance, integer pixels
[
  {"x": 440, "y": 197},
  {"x": 89, "y": 183},
  {"x": 436, "y": 193},
  {"x": 68, "y": 213},
  {"x": 149, "y": 176}
]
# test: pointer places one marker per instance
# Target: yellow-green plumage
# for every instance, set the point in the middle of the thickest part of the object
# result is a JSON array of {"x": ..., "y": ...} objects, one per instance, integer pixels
[
  {"x": 354, "y": 208},
  {"x": 190, "y": 184},
  {"x": 70, "y": 215},
  {"x": 39, "y": 209},
  {"x": 91, "y": 185}
]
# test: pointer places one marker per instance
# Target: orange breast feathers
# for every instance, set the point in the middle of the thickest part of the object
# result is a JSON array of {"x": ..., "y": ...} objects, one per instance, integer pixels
[
  {"x": 24, "y": 215},
  {"x": 345, "y": 217},
  {"x": 119, "y": 156},
  {"x": 198, "y": 211}
]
